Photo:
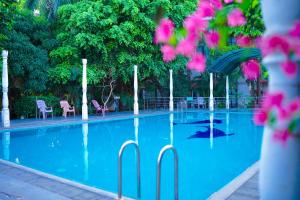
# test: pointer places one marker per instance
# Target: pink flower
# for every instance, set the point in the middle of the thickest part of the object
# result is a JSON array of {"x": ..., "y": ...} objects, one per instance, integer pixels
[
  {"x": 228, "y": 1},
  {"x": 260, "y": 117},
  {"x": 164, "y": 31},
  {"x": 243, "y": 41},
  {"x": 295, "y": 32},
  {"x": 281, "y": 136},
  {"x": 212, "y": 39},
  {"x": 294, "y": 106},
  {"x": 283, "y": 114},
  {"x": 251, "y": 69},
  {"x": 239, "y": 1},
  {"x": 195, "y": 24},
  {"x": 236, "y": 18},
  {"x": 197, "y": 62},
  {"x": 272, "y": 100},
  {"x": 168, "y": 52},
  {"x": 274, "y": 43},
  {"x": 295, "y": 45},
  {"x": 217, "y": 4},
  {"x": 206, "y": 9},
  {"x": 187, "y": 46},
  {"x": 289, "y": 68}
]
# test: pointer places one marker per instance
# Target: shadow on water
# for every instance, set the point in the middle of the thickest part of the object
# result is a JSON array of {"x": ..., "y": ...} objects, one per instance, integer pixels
[{"x": 206, "y": 133}]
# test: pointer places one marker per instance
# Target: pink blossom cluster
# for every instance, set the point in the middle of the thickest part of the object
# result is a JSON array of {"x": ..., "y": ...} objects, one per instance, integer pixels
[
  {"x": 288, "y": 45},
  {"x": 251, "y": 69},
  {"x": 279, "y": 116},
  {"x": 196, "y": 26}
]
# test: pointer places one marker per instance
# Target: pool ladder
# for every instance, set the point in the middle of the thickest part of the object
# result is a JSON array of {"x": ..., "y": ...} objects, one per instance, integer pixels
[
  {"x": 138, "y": 169},
  {"x": 158, "y": 172}
]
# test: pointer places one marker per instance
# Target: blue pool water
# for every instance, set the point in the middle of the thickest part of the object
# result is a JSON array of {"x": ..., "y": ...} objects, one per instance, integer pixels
[{"x": 213, "y": 149}]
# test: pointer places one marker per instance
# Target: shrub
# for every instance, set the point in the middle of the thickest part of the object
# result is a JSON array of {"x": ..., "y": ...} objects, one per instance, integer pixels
[{"x": 26, "y": 106}]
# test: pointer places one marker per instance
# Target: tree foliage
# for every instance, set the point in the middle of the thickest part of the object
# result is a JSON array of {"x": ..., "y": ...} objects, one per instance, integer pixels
[
  {"x": 28, "y": 44},
  {"x": 113, "y": 36},
  {"x": 7, "y": 8}
]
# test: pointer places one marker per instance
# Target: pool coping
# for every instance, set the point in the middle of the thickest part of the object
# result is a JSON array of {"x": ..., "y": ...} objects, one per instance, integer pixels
[
  {"x": 231, "y": 187},
  {"x": 65, "y": 181}
]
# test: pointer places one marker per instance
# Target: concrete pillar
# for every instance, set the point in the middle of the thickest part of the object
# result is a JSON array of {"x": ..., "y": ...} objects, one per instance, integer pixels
[
  {"x": 171, "y": 104},
  {"x": 136, "y": 104},
  {"x": 227, "y": 92},
  {"x": 84, "y": 89},
  {"x": 5, "y": 104},
  {"x": 211, "y": 90}
]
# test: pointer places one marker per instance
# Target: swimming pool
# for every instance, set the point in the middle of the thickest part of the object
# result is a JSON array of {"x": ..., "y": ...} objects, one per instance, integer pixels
[{"x": 213, "y": 148}]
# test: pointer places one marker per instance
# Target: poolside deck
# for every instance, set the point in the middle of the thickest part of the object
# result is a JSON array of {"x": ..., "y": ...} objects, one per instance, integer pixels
[
  {"x": 33, "y": 122},
  {"x": 248, "y": 191},
  {"x": 21, "y": 183}
]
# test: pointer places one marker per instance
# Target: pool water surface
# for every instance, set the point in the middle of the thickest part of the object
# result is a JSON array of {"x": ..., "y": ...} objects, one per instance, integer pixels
[{"x": 213, "y": 148}]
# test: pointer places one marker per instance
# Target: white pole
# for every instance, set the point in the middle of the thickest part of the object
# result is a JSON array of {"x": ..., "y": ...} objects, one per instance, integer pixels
[
  {"x": 6, "y": 144},
  {"x": 85, "y": 132},
  {"x": 5, "y": 109},
  {"x": 84, "y": 89},
  {"x": 171, "y": 104},
  {"x": 211, "y": 89},
  {"x": 136, "y": 129},
  {"x": 171, "y": 129},
  {"x": 136, "y": 105},
  {"x": 227, "y": 92}
]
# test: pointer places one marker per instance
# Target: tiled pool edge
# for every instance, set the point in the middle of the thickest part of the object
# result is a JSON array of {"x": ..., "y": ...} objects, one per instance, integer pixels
[
  {"x": 60, "y": 180},
  {"x": 229, "y": 189}
]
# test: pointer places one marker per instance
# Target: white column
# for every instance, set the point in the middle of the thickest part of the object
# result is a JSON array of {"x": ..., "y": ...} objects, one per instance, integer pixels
[
  {"x": 279, "y": 176},
  {"x": 211, "y": 89},
  {"x": 5, "y": 109},
  {"x": 171, "y": 129},
  {"x": 84, "y": 89},
  {"x": 227, "y": 92},
  {"x": 136, "y": 104},
  {"x": 136, "y": 129},
  {"x": 171, "y": 104},
  {"x": 85, "y": 132},
  {"x": 5, "y": 145}
]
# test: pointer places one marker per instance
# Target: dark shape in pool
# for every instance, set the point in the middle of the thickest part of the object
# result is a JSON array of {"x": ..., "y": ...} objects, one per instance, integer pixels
[
  {"x": 206, "y": 133},
  {"x": 207, "y": 121}
]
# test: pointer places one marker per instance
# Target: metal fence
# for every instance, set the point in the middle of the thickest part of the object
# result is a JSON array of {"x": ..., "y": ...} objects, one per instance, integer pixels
[{"x": 162, "y": 103}]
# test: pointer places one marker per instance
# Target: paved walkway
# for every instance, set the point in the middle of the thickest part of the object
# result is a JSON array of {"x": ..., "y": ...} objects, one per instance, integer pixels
[
  {"x": 18, "y": 183},
  {"x": 248, "y": 191},
  {"x": 32, "y": 123}
]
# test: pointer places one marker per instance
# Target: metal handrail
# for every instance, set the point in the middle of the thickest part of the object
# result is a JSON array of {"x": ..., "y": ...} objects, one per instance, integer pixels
[
  {"x": 158, "y": 175},
  {"x": 138, "y": 169}
]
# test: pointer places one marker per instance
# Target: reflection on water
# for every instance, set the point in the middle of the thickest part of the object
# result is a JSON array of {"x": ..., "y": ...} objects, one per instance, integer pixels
[
  {"x": 85, "y": 132},
  {"x": 136, "y": 129},
  {"x": 171, "y": 128},
  {"x": 5, "y": 145},
  {"x": 211, "y": 125}
]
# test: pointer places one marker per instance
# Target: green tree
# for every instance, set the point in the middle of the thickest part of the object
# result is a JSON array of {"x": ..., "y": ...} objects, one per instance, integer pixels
[
  {"x": 113, "y": 36},
  {"x": 7, "y": 9},
  {"x": 28, "y": 44}
]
